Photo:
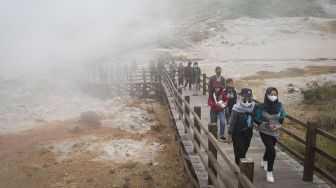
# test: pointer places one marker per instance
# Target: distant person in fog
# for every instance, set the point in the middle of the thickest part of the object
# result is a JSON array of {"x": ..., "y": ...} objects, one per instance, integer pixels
[{"x": 196, "y": 78}]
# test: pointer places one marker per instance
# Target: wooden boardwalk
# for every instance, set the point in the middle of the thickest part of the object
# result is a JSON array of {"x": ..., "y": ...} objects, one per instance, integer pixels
[{"x": 287, "y": 172}]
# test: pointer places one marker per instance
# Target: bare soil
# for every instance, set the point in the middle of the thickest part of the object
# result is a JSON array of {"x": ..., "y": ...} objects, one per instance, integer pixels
[{"x": 30, "y": 158}]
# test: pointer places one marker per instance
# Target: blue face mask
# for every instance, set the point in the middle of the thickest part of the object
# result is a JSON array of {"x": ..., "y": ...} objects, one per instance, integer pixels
[{"x": 217, "y": 89}]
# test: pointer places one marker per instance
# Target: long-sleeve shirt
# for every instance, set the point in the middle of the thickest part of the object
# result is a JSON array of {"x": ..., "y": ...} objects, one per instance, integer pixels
[
  {"x": 264, "y": 120},
  {"x": 219, "y": 96}
]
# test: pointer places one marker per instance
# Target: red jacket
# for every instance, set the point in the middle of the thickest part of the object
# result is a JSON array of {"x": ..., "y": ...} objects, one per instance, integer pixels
[{"x": 221, "y": 95}]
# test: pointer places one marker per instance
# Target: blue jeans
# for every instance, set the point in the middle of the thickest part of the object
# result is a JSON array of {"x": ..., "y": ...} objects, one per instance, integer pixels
[{"x": 214, "y": 117}]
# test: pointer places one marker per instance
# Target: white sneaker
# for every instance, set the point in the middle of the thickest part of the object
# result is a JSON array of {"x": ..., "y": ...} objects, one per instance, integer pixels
[{"x": 269, "y": 177}]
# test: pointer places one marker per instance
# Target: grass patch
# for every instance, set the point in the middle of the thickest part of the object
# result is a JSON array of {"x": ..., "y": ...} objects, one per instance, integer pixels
[
  {"x": 316, "y": 92},
  {"x": 322, "y": 143},
  {"x": 327, "y": 121}
]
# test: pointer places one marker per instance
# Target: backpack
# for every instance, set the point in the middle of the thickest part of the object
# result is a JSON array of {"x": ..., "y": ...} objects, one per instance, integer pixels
[
  {"x": 242, "y": 121},
  {"x": 188, "y": 72}
]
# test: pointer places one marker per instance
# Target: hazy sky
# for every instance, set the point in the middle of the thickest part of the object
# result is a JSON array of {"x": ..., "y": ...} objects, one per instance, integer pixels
[{"x": 38, "y": 33}]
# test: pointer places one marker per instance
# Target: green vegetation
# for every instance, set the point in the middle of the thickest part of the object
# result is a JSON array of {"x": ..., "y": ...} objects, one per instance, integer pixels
[
  {"x": 231, "y": 9},
  {"x": 326, "y": 119},
  {"x": 317, "y": 92},
  {"x": 269, "y": 8},
  {"x": 322, "y": 143}
]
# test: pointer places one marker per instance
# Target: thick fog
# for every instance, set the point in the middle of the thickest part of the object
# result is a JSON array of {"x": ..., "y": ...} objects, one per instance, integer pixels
[{"x": 39, "y": 35}]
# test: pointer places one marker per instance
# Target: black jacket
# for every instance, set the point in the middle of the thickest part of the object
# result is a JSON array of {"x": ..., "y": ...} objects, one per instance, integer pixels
[{"x": 212, "y": 80}]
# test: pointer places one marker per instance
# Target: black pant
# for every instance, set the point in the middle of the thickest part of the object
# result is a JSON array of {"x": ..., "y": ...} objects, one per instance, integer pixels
[
  {"x": 241, "y": 143},
  {"x": 180, "y": 80},
  {"x": 269, "y": 155},
  {"x": 188, "y": 82}
]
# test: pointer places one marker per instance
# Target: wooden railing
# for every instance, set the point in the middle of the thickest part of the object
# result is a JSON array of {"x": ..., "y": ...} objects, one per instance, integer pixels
[
  {"x": 209, "y": 150},
  {"x": 309, "y": 142}
]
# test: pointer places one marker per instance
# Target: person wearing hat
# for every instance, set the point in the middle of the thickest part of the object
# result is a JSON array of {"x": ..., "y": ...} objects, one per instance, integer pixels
[
  {"x": 217, "y": 77},
  {"x": 241, "y": 127},
  {"x": 196, "y": 78},
  {"x": 269, "y": 116},
  {"x": 217, "y": 101}
]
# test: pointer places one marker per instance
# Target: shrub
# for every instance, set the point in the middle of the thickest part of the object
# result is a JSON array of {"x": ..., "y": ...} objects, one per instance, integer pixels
[{"x": 317, "y": 92}]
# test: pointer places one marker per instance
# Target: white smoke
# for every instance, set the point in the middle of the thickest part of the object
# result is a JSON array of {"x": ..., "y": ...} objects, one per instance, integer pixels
[{"x": 39, "y": 34}]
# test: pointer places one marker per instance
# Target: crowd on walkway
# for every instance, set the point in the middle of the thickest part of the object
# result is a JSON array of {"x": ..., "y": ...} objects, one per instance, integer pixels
[
  {"x": 188, "y": 75},
  {"x": 241, "y": 113}
]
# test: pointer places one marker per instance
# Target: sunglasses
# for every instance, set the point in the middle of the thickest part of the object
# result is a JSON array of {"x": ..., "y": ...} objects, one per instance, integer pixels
[{"x": 247, "y": 101}]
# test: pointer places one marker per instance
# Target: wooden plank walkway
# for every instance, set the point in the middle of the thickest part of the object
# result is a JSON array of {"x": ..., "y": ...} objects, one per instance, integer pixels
[
  {"x": 197, "y": 165},
  {"x": 287, "y": 172}
]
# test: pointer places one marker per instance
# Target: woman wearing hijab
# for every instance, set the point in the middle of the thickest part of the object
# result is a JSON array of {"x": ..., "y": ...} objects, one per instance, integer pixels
[
  {"x": 269, "y": 116},
  {"x": 241, "y": 126}
]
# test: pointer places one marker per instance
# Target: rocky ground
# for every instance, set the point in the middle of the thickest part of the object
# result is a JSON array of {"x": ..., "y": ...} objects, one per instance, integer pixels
[
  {"x": 97, "y": 150},
  {"x": 289, "y": 53}
]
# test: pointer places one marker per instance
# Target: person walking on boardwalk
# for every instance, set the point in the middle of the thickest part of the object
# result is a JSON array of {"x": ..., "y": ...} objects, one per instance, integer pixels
[
  {"x": 180, "y": 74},
  {"x": 232, "y": 95},
  {"x": 217, "y": 77},
  {"x": 269, "y": 116},
  {"x": 196, "y": 78},
  {"x": 172, "y": 69},
  {"x": 241, "y": 127},
  {"x": 217, "y": 101},
  {"x": 188, "y": 75}
]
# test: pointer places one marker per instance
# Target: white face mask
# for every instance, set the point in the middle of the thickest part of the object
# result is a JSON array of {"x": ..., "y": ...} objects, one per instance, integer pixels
[
  {"x": 272, "y": 98},
  {"x": 246, "y": 104},
  {"x": 217, "y": 89}
]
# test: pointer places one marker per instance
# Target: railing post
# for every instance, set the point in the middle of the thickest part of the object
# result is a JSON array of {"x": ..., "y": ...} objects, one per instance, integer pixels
[
  {"x": 308, "y": 172},
  {"x": 197, "y": 110},
  {"x": 180, "y": 101},
  {"x": 246, "y": 166},
  {"x": 213, "y": 130},
  {"x": 204, "y": 84},
  {"x": 175, "y": 85},
  {"x": 187, "y": 112}
]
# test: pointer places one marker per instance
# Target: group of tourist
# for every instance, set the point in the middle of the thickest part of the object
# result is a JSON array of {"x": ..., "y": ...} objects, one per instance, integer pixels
[
  {"x": 241, "y": 113},
  {"x": 189, "y": 75}
]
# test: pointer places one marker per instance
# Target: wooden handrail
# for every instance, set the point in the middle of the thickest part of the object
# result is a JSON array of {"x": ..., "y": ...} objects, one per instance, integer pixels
[
  {"x": 299, "y": 139},
  {"x": 326, "y": 134},
  {"x": 178, "y": 97},
  {"x": 309, "y": 141}
]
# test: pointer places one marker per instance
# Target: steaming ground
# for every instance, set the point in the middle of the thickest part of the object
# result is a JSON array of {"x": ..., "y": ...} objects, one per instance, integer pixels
[
  {"x": 128, "y": 150},
  {"x": 259, "y": 53},
  {"x": 278, "y": 38}
]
